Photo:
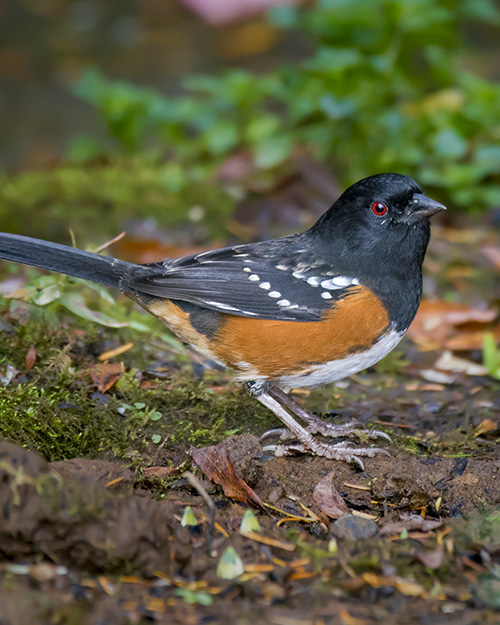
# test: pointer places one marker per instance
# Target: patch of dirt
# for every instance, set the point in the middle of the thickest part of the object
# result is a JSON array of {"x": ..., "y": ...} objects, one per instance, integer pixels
[{"x": 79, "y": 544}]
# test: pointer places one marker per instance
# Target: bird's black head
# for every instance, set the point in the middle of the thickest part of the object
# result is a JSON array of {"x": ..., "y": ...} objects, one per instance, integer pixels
[{"x": 379, "y": 224}]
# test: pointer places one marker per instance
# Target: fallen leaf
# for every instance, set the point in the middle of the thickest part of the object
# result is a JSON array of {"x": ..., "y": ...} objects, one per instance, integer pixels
[
  {"x": 217, "y": 466},
  {"x": 104, "y": 376},
  {"x": 486, "y": 425},
  {"x": 431, "y": 559},
  {"x": 448, "y": 362},
  {"x": 436, "y": 377},
  {"x": 7, "y": 374},
  {"x": 409, "y": 588},
  {"x": 470, "y": 340},
  {"x": 438, "y": 322},
  {"x": 409, "y": 523},
  {"x": 30, "y": 358},
  {"x": 327, "y": 498}
]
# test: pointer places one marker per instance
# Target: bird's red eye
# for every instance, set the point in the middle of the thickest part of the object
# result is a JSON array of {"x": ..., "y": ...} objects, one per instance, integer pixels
[{"x": 379, "y": 209}]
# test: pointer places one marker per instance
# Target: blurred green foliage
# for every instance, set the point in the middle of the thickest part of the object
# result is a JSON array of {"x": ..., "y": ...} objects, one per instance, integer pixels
[
  {"x": 102, "y": 197},
  {"x": 389, "y": 86}
]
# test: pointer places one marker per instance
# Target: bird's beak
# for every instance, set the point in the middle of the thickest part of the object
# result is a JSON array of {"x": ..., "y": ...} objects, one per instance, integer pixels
[{"x": 422, "y": 207}]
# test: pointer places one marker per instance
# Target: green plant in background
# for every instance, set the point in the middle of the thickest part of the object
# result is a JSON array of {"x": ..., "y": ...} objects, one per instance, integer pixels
[
  {"x": 491, "y": 355},
  {"x": 385, "y": 89}
]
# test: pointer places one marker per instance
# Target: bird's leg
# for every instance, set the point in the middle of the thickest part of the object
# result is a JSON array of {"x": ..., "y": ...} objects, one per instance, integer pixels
[
  {"x": 314, "y": 425},
  {"x": 306, "y": 443}
]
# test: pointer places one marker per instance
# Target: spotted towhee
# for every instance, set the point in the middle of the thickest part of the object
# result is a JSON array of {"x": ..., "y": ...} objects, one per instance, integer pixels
[{"x": 300, "y": 311}]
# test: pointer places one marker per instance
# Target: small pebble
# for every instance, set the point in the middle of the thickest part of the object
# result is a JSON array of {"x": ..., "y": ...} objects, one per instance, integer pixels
[
  {"x": 275, "y": 494},
  {"x": 354, "y": 528}
]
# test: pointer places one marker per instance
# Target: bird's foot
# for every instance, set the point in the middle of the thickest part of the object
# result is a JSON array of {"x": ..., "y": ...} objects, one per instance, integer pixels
[
  {"x": 332, "y": 430},
  {"x": 302, "y": 440},
  {"x": 343, "y": 451}
]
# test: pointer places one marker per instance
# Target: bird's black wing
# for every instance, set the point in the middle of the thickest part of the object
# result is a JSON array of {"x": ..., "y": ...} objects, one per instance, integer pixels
[{"x": 270, "y": 280}]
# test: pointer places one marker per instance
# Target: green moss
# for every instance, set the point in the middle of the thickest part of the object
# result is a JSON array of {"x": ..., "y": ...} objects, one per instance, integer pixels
[{"x": 54, "y": 407}]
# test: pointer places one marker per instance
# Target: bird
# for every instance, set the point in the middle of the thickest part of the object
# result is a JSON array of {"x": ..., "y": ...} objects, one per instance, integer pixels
[{"x": 303, "y": 310}]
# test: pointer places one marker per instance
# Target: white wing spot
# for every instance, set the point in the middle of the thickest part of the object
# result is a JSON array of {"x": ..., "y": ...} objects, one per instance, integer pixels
[
  {"x": 326, "y": 295},
  {"x": 314, "y": 281},
  {"x": 247, "y": 269},
  {"x": 274, "y": 294},
  {"x": 283, "y": 302},
  {"x": 238, "y": 255},
  {"x": 342, "y": 281},
  {"x": 330, "y": 284},
  {"x": 265, "y": 285},
  {"x": 253, "y": 277},
  {"x": 298, "y": 275},
  {"x": 281, "y": 267},
  {"x": 338, "y": 282}
]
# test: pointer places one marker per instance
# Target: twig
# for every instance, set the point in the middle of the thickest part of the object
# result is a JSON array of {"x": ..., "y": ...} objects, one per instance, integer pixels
[
  {"x": 195, "y": 483},
  {"x": 104, "y": 246}
]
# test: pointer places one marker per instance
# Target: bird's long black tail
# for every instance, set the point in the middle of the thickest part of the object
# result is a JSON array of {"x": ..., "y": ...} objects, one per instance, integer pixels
[{"x": 67, "y": 260}]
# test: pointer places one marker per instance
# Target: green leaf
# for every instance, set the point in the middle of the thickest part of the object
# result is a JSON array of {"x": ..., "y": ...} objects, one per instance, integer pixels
[
  {"x": 249, "y": 523},
  {"x": 47, "y": 296},
  {"x": 449, "y": 144},
  {"x": 273, "y": 151},
  {"x": 75, "y": 303},
  {"x": 195, "y": 596},
  {"x": 188, "y": 517},
  {"x": 491, "y": 355},
  {"x": 156, "y": 438},
  {"x": 230, "y": 565}
]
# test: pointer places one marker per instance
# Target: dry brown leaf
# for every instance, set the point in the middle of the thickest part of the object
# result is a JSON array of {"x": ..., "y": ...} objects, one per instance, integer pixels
[
  {"x": 470, "y": 340},
  {"x": 30, "y": 358},
  {"x": 438, "y": 322},
  {"x": 104, "y": 376},
  {"x": 432, "y": 559},
  {"x": 217, "y": 466},
  {"x": 326, "y": 496}
]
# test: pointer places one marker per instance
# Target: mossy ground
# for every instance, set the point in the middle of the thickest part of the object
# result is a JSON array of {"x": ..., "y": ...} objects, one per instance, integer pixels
[{"x": 55, "y": 408}]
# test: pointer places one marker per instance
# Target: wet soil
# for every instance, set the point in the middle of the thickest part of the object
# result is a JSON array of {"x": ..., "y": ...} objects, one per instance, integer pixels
[{"x": 89, "y": 541}]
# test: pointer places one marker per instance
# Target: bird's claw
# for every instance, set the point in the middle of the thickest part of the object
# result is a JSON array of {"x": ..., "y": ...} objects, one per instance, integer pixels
[{"x": 344, "y": 451}]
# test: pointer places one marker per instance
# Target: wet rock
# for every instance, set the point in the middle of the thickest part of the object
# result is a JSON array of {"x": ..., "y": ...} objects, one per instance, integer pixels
[{"x": 351, "y": 527}]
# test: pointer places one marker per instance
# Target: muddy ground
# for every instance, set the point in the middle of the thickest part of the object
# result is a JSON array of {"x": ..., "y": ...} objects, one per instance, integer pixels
[{"x": 92, "y": 541}]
